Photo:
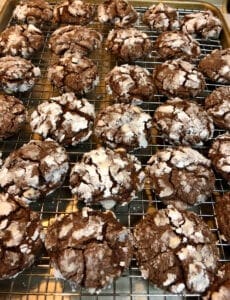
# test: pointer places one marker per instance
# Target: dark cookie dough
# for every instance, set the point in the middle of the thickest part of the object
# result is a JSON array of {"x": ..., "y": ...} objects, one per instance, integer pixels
[
  {"x": 74, "y": 39},
  {"x": 21, "y": 234},
  {"x": 217, "y": 105},
  {"x": 129, "y": 44},
  {"x": 17, "y": 74},
  {"x": 74, "y": 12},
  {"x": 222, "y": 208},
  {"x": 34, "y": 170},
  {"x": 66, "y": 119},
  {"x": 89, "y": 248},
  {"x": 130, "y": 84},
  {"x": 178, "y": 78},
  {"x": 118, "y": 12},
  {"x": 216, "y": 65},
  {"x": 107, "y": 176},
  {"x": 123, "y": 125},
  {"x": 183, "y": 122},
  {"x": 161, "y": 17},
  {"x": 180, "y": 176},
  {"x": 176, "y": 250}
]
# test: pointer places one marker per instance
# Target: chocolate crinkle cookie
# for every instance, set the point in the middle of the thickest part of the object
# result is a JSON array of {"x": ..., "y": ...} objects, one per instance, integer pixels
[
  {"x": 74, "y": 12},
  {"x": 12, "y": 115},
  {"x": 203, "y": 24},
  {"x": 107, "y": 176},
  {"x": 17, "y": 74},
  {"x": 219, "y": 153},
  {"x": 176, "y": 250},
  {"x": 180, "y": 176},
  {"x": 178, "y": 78},
  {"x": 74, "y": 73},
  {"x": 130, "y": 84},
  {"x": 161, "y": 17},
  {"x": 222, "y": 208},
  {"x": 118, "y": 12},
  {"x": 66, "y": 119},
  {"x": 216, "y": 65},
  {"x": 183, "y": 122},
  {"x": 34, "y": 12},
  {"x": 34, "y": 170},
  {"x": 176, "y": 44},
  {"x": 123, "y": 125},
  {"x": 89, "y": 248},
  {"x": 217, "y": 105},
  {"x": 73, "y": 39},
  {"x": 20, "y": 234},
  {"x": 129, "y": 44},
  {"x": 21, "y": 40}
]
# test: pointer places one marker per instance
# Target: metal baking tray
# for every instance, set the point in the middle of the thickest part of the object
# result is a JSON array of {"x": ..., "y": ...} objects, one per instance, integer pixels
[{"x": 38, "y": 282}]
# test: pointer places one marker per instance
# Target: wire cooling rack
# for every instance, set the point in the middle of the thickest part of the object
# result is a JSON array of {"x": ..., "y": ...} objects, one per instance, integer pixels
[{"x": 38, "y": 282}]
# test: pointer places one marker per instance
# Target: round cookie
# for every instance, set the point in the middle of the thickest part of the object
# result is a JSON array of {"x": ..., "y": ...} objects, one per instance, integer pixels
[
  {"x": 216, "y": 65},
  {"x": 178, "y": 78},
  {"x": 130, "y": 84},
  {"x": 74, "y": 12},
  {"x": 203, "y": 24},
  {"x": 217, "y": 105},
  {"x": 34, "y": 170},
  {"x": 176, "y": 250},
  {"x": 21, "y": 236},
  {"x": 180, "y": 176},
  {"x": 17, "y": 74},
  {"x": 176, "y": 44},
  {"x": 219, "y": 153},
  {"x": 129, "y": 44},
  {"x": 73, "y": 39},
  {"x": 74, "y": 74},
  {"x": 107, "y": 176},
  {"x": 222, "y": 208},
  {"x": 89, "y": 248},
  {"x": 66, "y": 119},
  {"x": 12, "y": 115},
  {"x": 123, "y": 125},
  {"x": 183, "y": 122},
  {"x": 34, "y": 12},
  {"x": 118, "y": 12},
  {"x": 161, "y": 17}
]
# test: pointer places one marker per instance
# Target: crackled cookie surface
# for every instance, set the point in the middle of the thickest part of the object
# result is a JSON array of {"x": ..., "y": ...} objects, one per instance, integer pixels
[
  {"x": 222, "y": 208},
  {"x": 176, "y": 250}
]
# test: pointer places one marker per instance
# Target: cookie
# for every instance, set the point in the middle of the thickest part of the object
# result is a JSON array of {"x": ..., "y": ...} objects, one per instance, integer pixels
[
  {"x": 130, "y": 84},
  {"x": 176, "y": 250},
  {"x": 180, "y": 176},
  {"x": 222, "y": 208},
  {"x": 21, "y": 236},
  {"x": 107, "y": 177},
  {"x": 217, "y": 105},
  {"x": 21, "y": 40},
  {"x": 129, "y": 44},
  {"x": 66, "y": 119},
  {"x": 74, "y": 73},
  {"x": 12, "y": 115},
  {"x": 74, "y": 12},
  {"x": 35, "y": 12},
  {"x": 219, "y": 153},
  {"x": 178, "y": 78},
  {"x": 34, "y": 170},
  {"x": 216, "y": 65},
  {"x": 203, "y": 24},
  {"x": 73, "y": 39},
  {"x": 123, "y": 125},
  {"x": 120, "y": 13},
  {"x": 176, "y": 44},
  {"x": 183, "y": 122},
  {"x": 89, "y": 248},
  {"x": 161, "y": 17},
  {"x": 17, "y": 74}
]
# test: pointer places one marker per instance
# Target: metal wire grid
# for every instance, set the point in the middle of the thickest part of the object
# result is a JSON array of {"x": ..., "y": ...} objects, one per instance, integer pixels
[{"x": 38, "y": 282}]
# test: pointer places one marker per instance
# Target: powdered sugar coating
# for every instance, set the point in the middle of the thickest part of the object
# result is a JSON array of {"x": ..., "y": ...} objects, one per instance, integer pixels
[{"x": 222, "y": 209}]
